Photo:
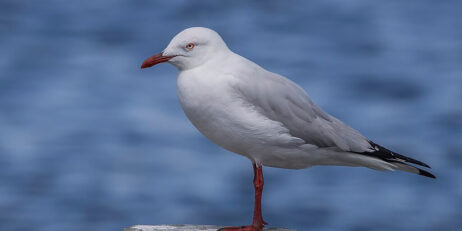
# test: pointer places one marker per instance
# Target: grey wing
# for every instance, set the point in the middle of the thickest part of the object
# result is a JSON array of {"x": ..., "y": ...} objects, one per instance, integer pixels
[{"x": 279, "y": 99}]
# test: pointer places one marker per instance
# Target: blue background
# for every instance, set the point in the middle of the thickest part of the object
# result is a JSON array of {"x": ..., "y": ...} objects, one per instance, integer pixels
[{"x": 88, "y": 141}]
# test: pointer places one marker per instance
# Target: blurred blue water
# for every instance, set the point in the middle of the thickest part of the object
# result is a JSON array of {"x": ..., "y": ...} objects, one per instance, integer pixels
[{"x": 88, "y": 141}]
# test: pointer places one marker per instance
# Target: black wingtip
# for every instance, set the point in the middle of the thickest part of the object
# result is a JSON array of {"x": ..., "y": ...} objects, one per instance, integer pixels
[
  {"x": 424, "y": 164},
  {"x": 386, "y": 154},
  {"x": 427, "y": 174}
]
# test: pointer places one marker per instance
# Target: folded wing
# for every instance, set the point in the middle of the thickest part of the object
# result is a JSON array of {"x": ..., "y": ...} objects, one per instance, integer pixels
[{"x": 279, "y": 99}]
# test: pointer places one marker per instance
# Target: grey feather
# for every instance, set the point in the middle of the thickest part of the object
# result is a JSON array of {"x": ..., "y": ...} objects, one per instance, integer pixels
[{"x": 281, "y": 100}]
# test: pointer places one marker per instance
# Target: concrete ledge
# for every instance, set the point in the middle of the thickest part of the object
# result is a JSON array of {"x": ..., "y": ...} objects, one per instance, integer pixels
[{"x": 187, "y": 228}]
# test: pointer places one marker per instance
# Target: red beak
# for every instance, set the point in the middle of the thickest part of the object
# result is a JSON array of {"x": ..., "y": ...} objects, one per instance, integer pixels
[{"x": 155, "y": 59}]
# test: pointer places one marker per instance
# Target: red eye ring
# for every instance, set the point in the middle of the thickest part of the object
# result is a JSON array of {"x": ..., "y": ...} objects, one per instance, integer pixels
[{"x": 189, "y": 46}]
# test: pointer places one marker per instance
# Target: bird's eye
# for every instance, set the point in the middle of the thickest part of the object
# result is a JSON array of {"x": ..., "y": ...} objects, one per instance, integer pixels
[{"x": 190, "y": 46}]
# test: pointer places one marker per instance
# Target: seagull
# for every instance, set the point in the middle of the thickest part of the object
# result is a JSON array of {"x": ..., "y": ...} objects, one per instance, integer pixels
[{"x": 264, "y": 116}]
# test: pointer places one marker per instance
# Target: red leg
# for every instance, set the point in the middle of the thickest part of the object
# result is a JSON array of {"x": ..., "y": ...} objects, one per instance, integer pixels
[{"x": 258, "y": 222}]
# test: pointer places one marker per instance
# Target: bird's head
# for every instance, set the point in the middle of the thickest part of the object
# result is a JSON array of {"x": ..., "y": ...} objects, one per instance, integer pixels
[{"x": 190, "y": 48}]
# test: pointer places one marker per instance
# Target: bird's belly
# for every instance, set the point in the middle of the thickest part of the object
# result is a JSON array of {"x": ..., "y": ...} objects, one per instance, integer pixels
[
  {"x": 216, "y": 124},
  {"x": 232, "y": 135}
]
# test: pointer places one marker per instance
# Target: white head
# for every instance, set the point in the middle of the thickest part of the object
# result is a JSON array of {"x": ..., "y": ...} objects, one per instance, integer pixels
[{"x": 190, "y": 48}]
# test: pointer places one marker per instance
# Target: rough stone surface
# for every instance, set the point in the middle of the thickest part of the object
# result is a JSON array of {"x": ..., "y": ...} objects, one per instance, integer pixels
[{"x": 187, "y": 228}]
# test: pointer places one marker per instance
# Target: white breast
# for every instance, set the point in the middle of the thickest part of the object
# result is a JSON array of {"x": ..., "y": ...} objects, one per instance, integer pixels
[{"x": 204, "y": 101}]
